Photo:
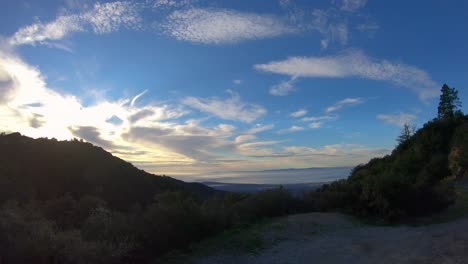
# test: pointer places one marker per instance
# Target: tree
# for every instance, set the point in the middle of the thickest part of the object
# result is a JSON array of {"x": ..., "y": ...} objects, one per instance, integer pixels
[
  {"x": 406, "y": 132},
  {"x": 449, "y": 103}
]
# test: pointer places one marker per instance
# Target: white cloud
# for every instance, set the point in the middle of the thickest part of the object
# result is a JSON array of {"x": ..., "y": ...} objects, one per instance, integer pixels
[
  {"x": 244, "y": 138},
  {"x": 398, "y": 119},
  {"x": 132, "y": 103},
  {"x": 302, "y": 156},
  {"x": 237, "y": 82},
  {"x": 172, "y": 3},
  {"x": 36, "y": 110},
  {"x": 290, "y": 130},
  {"x": 102, "y": 18},
  {"x": 299, "y": 113},
  {"x": 331, "y": 26},
  {"x": 319, "y": 121},
  {"x": 354, "y": 63},
  {"x": 110, "y": 17},
  {"x": 370, "y": 26},
  {"x": 230, "y": 109},
  {"x": 259, "y": 128},
  {"x": 344, "y": 103},
  {"x": 283, "y": 88},
  {"x": 217, "y": 26},
  {"x": 352, "y": 5},
  {"x": 315, "y": 125},
  {"x": 319, "y": 118}
]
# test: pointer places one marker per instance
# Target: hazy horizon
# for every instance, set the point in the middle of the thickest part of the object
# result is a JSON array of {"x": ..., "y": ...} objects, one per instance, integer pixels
[{"x": 290, "y": 176}]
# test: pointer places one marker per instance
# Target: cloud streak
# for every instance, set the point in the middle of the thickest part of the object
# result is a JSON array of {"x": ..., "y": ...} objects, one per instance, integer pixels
[
  {"x": 352, "y": 5},
  {"x": 399, "y": 119},
  {"x": 230, "y": 109},
  {"x": 331, "y": 26},
  {"x": 101, "y": 19},
  {"x": 290, "y": 130},
  {"x": 220, "y": 26},
  {"x": 283, "y": 88},
  {"x": 299, "y": 113},
  {"x": 344, "y": 103},
  {"x": 354, "y": 63}
]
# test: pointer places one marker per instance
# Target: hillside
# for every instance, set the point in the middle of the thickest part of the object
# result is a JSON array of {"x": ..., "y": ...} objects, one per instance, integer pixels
[
  {"x": 72, "y": 202},
  {"x": 44, "y": 169},
  {"x": 416, "y": 179}
]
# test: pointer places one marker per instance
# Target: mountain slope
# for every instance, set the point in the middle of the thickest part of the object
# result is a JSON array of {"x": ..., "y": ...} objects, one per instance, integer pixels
[{"x": 46, "y": 169}]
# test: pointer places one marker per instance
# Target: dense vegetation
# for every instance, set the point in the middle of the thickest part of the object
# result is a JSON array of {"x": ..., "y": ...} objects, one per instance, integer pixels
[
  {"x": 71, "y": 202},
  {"x": 416, "y": 179}
]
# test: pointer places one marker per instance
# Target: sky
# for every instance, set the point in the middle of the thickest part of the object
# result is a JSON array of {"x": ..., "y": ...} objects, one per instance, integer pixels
[{"x": 198, "y": 87}]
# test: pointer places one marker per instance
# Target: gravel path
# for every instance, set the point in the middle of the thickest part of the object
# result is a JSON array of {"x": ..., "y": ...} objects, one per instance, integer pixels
[{"x": 335, "y": 238}]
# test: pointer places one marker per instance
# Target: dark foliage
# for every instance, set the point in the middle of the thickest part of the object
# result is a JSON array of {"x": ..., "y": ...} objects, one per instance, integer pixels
[
  {"x": 45, "y": 169},
  {"x": 71, "y": 202},
  {"x": 415, "y": 180},
  {"x": 449, "y": 103}
]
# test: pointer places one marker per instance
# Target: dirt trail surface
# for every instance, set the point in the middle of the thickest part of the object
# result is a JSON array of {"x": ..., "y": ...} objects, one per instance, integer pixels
[{"x": 336, "y": 238}]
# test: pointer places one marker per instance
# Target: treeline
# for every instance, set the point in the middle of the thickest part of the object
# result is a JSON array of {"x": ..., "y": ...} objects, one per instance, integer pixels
[
  {"x": 86, "y": 230},
  {"x": 72, "y": 202}
]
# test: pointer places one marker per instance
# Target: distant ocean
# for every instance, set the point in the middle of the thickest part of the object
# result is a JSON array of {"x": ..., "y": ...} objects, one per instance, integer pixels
[{"x": 286, "y": 176}]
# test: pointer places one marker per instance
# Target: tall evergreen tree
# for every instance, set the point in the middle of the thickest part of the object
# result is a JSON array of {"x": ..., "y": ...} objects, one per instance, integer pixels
[
  {"x": 449, "y": 103},
  {"x": 406, "y": 132}
]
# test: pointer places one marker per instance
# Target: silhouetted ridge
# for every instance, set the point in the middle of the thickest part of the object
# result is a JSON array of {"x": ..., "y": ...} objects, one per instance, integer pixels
[{"x": 46, "y": 169}]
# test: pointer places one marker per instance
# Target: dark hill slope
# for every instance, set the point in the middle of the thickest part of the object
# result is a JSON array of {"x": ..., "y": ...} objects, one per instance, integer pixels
[
  {"x": 416, "y": 179},
  {"x": 45, "y": 169}
]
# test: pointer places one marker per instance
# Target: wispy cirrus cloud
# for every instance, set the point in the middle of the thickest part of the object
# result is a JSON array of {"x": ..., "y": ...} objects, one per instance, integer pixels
[
  {"x": 283, "y": 88},
  {"x": 260, "y": 128},
  {"x": 190, "y": 21},
  {"x": 219, "y": 26},
  {"x": 230, "y": 109},
  {"x": 290, "y": 130},
  {"x": 315, "y": 125},
  {"x": 172, "y": 3},
  {"x": 344, "y": 103},
  {"x": 318, "y": 121},
  {"x": 399, "y": 119},
  {"x": 101, "y": 18},
  {"x": 352, "y": 5},
  {"x": 354, "y": 63},
  {"x": 332, "y": 27},
  {"x": 319, "y": 118},
  {"x": 250, "y": 134},
  {"x": 299, "y": 113}
]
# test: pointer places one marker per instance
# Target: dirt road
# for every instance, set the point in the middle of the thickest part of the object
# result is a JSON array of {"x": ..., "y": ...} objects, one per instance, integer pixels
[{"x": 336, "y": 238}]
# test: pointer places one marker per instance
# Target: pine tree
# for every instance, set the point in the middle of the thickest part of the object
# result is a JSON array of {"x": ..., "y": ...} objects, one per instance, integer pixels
[
  {"x": 449, "y": 103},
  {"x": 406, "y": 133}
]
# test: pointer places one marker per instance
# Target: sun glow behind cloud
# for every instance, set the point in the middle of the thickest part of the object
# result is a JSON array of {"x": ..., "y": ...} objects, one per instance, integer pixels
[{"x": 153, "y": 136}]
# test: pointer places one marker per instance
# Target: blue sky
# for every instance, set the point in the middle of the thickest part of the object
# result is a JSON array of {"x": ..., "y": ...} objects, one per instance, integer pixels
[{"x": 196, "y": 87}]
